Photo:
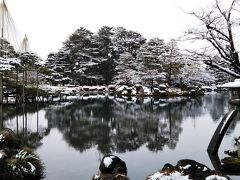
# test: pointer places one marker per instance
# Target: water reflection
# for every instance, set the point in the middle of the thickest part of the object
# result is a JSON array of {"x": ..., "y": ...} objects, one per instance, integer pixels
[
  {"x": 120, "y": 125},
  {"x": 115, "y": 124},
  {"x": 153, "y": 131},
  {"x": 217, "y": 104},
  {"x": 20, "y": 114}
]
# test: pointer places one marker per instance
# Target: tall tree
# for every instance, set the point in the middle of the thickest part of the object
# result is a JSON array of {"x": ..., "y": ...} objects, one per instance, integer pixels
[
  {"x": 30, "y": 59},
  {"x": 150, "y": 55},
  {"x": 127, "y": 70},
  {"x": 172, "y": 61},
  {"x": 108, "y": 54},
  {"x": 6, "y": 49},
  {"x": 195, "y": 73},
  {"x": 127, "y": 41},
  {"x": 84, "y": 57}
]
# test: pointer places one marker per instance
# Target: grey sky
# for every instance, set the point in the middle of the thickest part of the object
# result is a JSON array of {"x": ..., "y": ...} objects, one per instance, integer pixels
[{"x": 48, "y": 23}]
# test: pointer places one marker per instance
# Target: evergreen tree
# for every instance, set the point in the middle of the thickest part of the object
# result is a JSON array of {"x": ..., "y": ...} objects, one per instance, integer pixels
[
  {"x": 58, "y": 66},
  {"x": 84, "y": 57},
  {"x": 127, "y": 41},
  {"x": 172, "y": 62},
  {"x": 6, "y": 49},
  {"x": 108, "y": 55},
  {"x": 127, "y": 70},
  {"x": 30, "y": 59},
  {"x": 150, "y": 55}
]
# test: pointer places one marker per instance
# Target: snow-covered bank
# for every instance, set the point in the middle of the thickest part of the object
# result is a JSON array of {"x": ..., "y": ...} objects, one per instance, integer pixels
[{"x": 123, "y": 90}]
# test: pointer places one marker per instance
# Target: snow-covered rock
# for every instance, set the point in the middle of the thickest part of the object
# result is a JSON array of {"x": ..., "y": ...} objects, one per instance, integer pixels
[
  {"x": 162, "y": 86},
  {"x": 112, "y": 167},
  {"x": 186, "y": 169},
  {"x": 171, "y": 176},
  {"x": 111, "y": 163},
  {"x": 112, "y": 88}
]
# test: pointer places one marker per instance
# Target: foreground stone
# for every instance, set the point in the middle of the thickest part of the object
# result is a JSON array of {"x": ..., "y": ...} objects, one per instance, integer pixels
[
  {"x": 232, "y": 162},
  {"x": 17, "y": 162},
  {"x": 112, "y": 168},
  {"x": 187, "y": 169}
]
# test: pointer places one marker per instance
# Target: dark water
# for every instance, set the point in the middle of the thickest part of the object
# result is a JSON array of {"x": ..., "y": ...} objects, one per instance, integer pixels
[{"x": 71, "y": 138}]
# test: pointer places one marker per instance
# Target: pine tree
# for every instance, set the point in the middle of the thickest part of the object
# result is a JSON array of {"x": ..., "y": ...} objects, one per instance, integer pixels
[
  {"x": 150, "y": 56},
  {"x": 30, "y": 59}
]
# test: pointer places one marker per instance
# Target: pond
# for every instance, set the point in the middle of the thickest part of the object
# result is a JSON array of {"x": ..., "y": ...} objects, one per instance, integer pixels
[{"x": 72, "y": 137}]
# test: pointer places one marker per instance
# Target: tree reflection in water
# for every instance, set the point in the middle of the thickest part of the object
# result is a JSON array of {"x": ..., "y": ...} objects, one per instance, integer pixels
[
  {"x": 116, "y": 124},
  {"x": 120, "y": 125},
  {"x": 21, "y": 113},
  {"x": 113, "y": 125}
]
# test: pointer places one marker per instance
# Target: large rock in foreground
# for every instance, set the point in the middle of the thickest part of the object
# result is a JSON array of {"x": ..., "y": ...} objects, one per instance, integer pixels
[
  {"x": 187, "y": 169},
  {"x": 17, "y": 162},
  {"x": 112, "y": 168}
]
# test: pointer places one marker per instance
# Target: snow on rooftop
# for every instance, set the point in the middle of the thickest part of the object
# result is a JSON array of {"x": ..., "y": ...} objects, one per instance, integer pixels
[{"x": 235, "y": 84}]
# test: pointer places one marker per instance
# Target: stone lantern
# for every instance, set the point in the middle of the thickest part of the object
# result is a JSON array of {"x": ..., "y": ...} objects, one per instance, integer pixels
[{"x": 234, "y": 87}]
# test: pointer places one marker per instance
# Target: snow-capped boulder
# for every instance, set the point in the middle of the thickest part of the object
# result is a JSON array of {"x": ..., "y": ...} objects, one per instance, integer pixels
[
  {"x": 112, "y": 164},
  {"x": 129, "y": 90},
  {"x": 101, "y": 89},
  {"x": 8, "y": 139},
  {"x": 86, "y": 88},
  {"x": 120, "y": 89},
  {"x": 187, "y": 169},
  {"x": 156, "y": 91},
  {"x": 232, "y": 161},
  {"x": 16, "y": 161},
  {"x": 112, "y": 167},
  {"x": 147, "y": 91},
  {"x": 111, "y": 88},
  {"x": 162, "y": 87}
]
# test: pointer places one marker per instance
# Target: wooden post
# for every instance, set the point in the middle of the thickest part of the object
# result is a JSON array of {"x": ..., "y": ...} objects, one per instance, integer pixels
[
  {"x": 23, "y": 87},
  {"x": 26, "y": 120},
  {"x": 1, "y": 116},
  {"x": 23, "y": 118},
  {"x": 37, "y": 88},
  {"x": 152, "y": 86},
  {"x": 60, "y": 97},
  {"x": 170, "y": 121},
  {"x": 37, "y": 118},
  {"x": 17, "y": 119},
  {"x": 6, "y": 98},
  {"x": 16, "y": 100},
  {"x": 1, "y": 88}
]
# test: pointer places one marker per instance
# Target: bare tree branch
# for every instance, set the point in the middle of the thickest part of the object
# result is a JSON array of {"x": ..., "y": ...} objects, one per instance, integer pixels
[{"x": 217, "y": 29}]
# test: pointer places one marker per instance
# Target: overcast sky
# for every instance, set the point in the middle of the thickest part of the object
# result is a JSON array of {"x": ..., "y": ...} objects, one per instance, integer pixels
[{"x": 48, "y": 23}]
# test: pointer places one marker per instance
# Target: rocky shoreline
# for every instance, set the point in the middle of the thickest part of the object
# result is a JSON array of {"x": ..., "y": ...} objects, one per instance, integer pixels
[{"x": 113, "y": 168}]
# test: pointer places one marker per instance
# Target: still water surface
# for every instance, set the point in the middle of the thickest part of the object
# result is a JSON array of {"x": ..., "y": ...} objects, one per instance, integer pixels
[{"x": 71, "y": 138}]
